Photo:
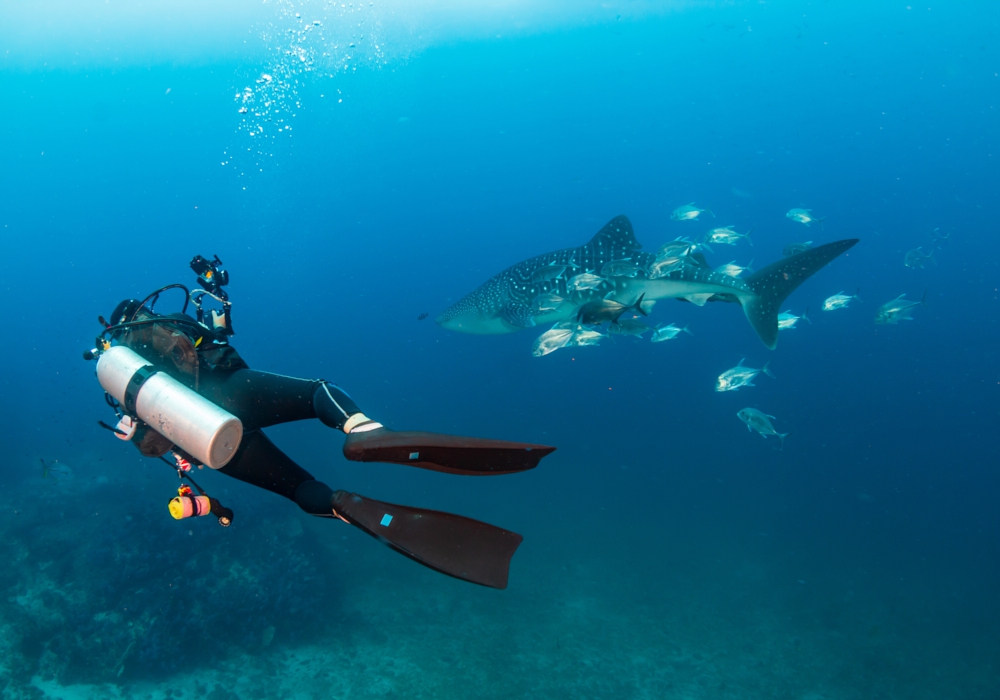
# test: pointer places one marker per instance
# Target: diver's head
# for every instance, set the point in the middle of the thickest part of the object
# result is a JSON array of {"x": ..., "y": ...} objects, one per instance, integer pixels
[{"x": 124, "y": 312}]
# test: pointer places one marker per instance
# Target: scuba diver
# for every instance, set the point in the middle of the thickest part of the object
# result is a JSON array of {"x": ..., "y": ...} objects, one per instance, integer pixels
[{"x": 178, "y": 387}]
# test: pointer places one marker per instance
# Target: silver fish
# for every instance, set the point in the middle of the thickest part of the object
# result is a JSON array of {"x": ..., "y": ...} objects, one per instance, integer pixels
[
  {"x": 581, "y": 334},
  {"x": 55, "y": 471},
  {"x": 601, "y": 310},
  {"x": 663, "y": 266},
  {"x": 733, "y": 379},
  {"x": 689, "y": 212},
  {"x": 787, "y": 320},
  {"x": 899, "y": 309},
  {"x": 761, "y": 422},
  {"x": 588, "y": 337},
  {"x": 670, "y": 332},
  {"x": 628, "y": 326},
  {"x": 551, "y": 340},
  {"x": 917, "y": 258},
  {"x": 804, "y": 216},
  {"x": 937, "y": 236},
  {"x": 796, "y": 248},
  {"x": 547, "y": 302},
  {"x": 549, "y": 272},
  {"x": 620, "y": 268},
  {"x": 839, "y": 301},
  {"x": 585, "y": 280},
  {"x": 679, "y": 247},
  {"x": 727, "y": 235},
  {"x": 734, "y": 270}
]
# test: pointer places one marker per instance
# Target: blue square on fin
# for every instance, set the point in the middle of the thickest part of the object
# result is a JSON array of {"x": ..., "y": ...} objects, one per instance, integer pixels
[
  {"x": 414, "y": 455},
  {"x": 386, "y": 519}
]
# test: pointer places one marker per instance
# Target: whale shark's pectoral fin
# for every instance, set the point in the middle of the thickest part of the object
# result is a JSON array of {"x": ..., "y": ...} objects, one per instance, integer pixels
[
  {"x": 698, "y": 299},
  {"x": 772, "y": 285},
  {"x": 519, "y": 315}
]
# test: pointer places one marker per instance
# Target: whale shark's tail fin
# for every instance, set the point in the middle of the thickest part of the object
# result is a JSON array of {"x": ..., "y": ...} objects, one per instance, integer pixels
[{"x": 772, "y": 285}]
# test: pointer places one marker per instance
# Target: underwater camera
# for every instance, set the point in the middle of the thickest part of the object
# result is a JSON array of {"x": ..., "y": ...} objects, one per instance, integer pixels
[{"x": 211, "y": 275}]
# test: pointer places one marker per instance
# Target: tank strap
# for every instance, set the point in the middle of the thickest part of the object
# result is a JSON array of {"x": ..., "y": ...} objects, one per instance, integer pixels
[{"x": 134, "y": 384}]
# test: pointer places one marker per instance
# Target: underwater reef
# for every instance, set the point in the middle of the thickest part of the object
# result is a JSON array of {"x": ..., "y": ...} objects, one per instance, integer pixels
[{"x": 102, "y": 589}]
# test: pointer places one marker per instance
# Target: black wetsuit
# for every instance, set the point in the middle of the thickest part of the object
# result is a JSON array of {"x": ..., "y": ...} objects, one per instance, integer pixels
[
  {"x": 204, "y": 361},
  {"x": 260, "y": 400}
]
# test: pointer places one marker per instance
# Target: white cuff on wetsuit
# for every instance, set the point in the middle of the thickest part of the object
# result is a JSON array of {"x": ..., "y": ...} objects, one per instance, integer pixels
[{"x": 360, "y": 423}]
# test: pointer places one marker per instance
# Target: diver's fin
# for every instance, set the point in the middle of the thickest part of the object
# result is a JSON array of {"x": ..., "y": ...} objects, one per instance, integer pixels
[
  {"x": 772, "y": 285},
  {"x": 461, "y": 547},
  {"x": 444, "y": 453}
]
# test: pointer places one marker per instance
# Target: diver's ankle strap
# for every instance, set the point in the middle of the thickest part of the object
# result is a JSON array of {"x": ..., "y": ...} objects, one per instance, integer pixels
[{"x": 360, "y": 423}]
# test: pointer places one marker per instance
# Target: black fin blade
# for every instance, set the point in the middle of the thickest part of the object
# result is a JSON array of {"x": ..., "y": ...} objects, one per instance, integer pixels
[
  {"x": 451, "y": 454},
  {"x": 773, "y": 284},
  {"x": 617, "y": 233},
  {"x": 454, "y": 545}
]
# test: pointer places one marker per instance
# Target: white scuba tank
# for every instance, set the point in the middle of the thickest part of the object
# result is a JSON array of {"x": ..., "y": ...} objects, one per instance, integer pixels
[{"x": 189, "y": 420}]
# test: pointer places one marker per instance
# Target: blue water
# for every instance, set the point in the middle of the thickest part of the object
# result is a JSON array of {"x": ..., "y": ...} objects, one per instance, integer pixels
[{"x": 668, "y": 552}]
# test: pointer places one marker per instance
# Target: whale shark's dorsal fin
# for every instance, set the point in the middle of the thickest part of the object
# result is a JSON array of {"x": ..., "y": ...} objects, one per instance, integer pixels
[
  {"x": 617, "y": 232},
  {"x": 772, "y": 285}
]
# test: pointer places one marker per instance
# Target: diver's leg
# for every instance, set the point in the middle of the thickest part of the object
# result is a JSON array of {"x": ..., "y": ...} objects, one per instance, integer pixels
[
  {"x": 262, "y": 399},
  {"x": 461, "y": 547},
  {"x": 260, "y": 463},
  {"x": 336, "y": 409}
]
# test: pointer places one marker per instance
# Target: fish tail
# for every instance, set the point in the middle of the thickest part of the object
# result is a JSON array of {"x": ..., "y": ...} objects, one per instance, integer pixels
[
  {"x": 772, "y": 285},
  {"x": 638, "y": 304},
  {"x": 781, "y": 437},
  {"x": 923, "y": 299},
  {"x": 45, "y": 468},
  {"x": 687, "y": 330},
  {"x": 747, "y": 236},
  {"x": 820, "y": 221},
  {"x": 710, "y": 212},
  {"x": 805, "y": 315},
  {"x": 766, "y": 370},
  {"x": 857, "y": 294}
]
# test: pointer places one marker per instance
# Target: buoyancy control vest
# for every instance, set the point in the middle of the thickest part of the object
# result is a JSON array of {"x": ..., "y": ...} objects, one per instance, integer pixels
[{"x": 173, "y": 414}]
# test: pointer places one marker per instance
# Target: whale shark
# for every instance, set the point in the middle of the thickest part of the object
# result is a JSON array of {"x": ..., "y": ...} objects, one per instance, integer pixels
[{"x": 506, "y": 302}]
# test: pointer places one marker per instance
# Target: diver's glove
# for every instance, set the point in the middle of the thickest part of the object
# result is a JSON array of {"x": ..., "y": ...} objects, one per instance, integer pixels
[{"x": 442, "y": 453}]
